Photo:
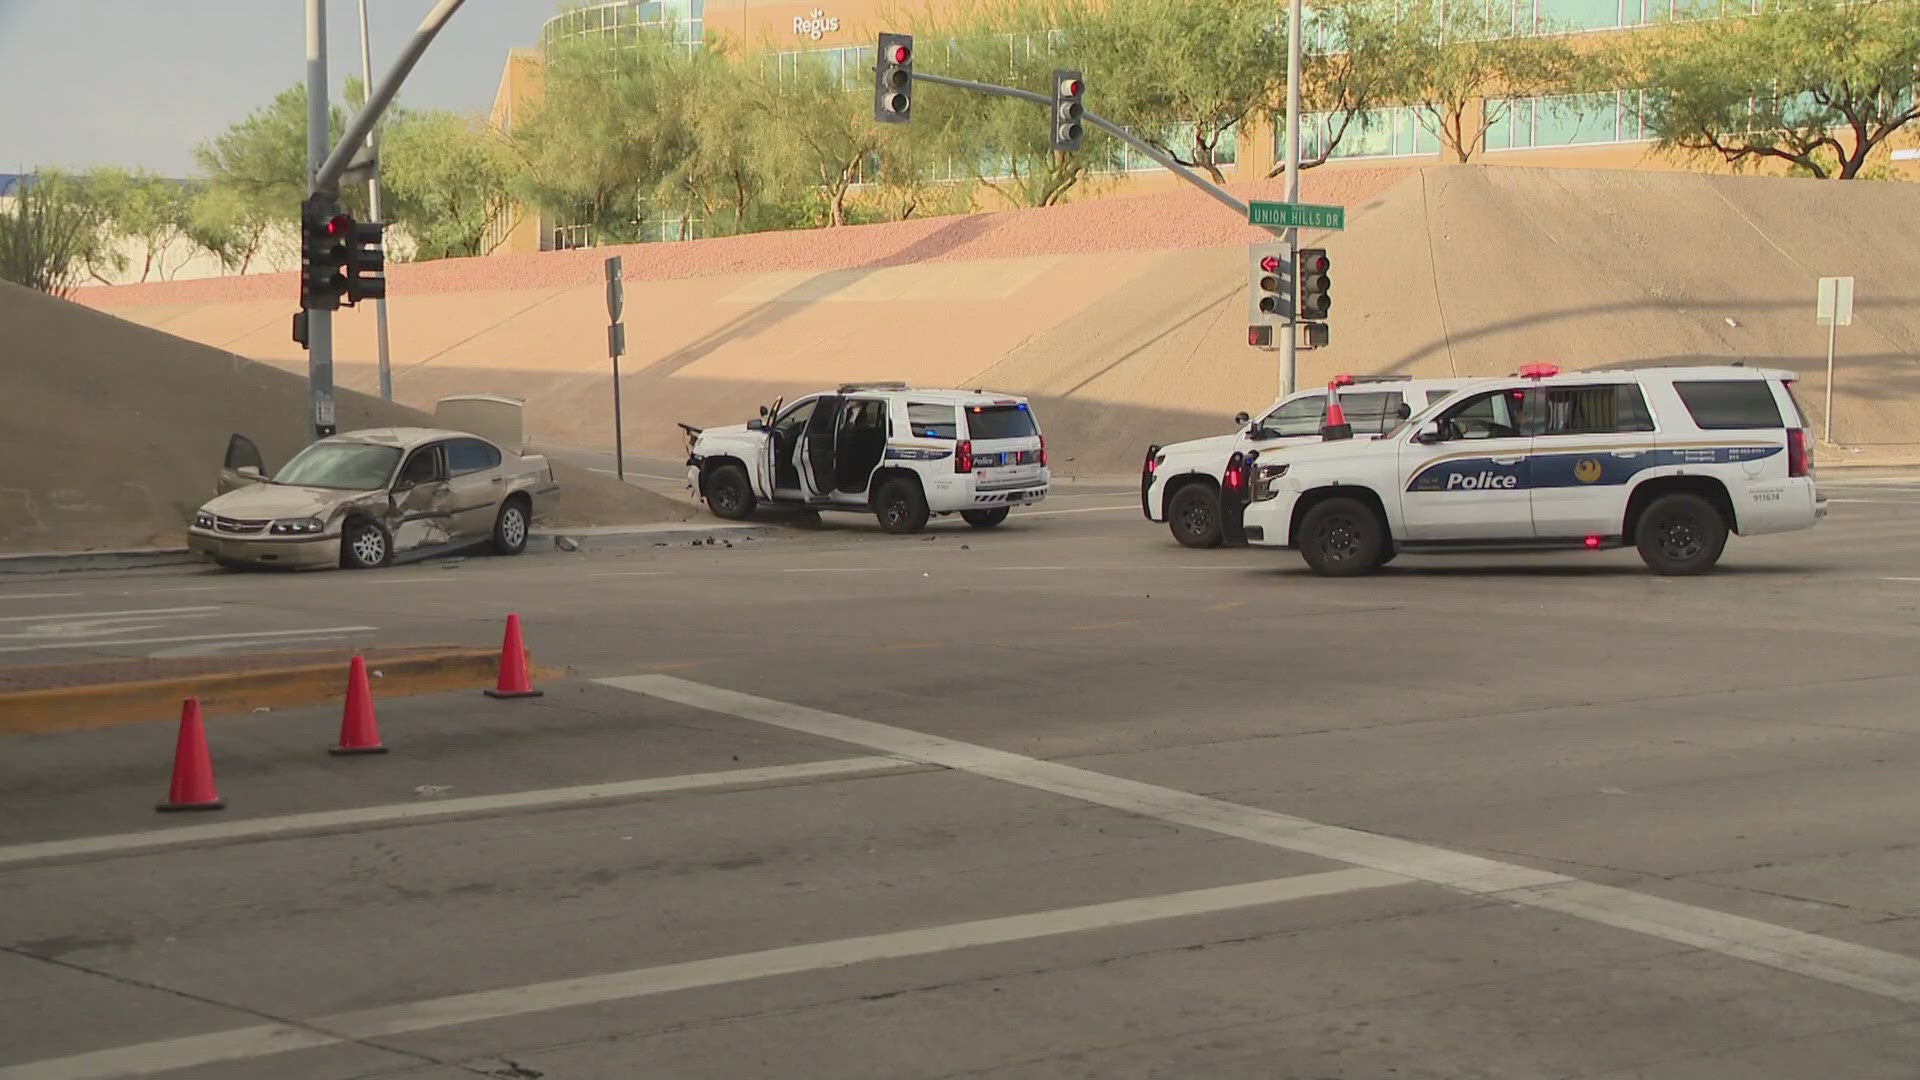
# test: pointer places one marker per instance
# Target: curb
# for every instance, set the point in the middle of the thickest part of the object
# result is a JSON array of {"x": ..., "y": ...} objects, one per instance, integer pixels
[
  {"x": 73, "y": 708},
  {"x": 67, "y": 561}
]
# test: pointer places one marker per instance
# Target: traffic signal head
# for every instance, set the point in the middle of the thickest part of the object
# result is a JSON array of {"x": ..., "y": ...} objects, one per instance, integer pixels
[
  {"x": 323, "y": 253},
  {"x": 366, "y": 262},
  {"x": 1068, "y": 128},
  {"x": 893, "y": 79},
  {"x": 1314, "y": 282},
  {"x": 1269, "y": 285}
]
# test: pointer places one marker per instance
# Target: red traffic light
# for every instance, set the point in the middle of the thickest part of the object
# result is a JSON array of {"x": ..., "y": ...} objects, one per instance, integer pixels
[
  {"x": 1270, "y": 264},
  {"x": 1071, "y": 87},
  {"x": 338, "y": 225},
  {"x": 1314, "y": 264},
  {"x": 899, "y": 54}
]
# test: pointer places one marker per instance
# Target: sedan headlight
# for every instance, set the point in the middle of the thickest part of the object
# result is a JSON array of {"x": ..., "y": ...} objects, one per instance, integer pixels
[
  {"x": 297, "y": 526},
  {"x": 203, "y": 520}
]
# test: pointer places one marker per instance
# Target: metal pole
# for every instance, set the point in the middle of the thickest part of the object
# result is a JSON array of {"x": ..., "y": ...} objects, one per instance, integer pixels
[
  {"x": 373, "y": 207},
  {"x": 327, "y": 177},
  {"x": 319, "y": 321},
  {"x": 1288, "y": 337},
  {"x": 1833, "y": 325},
  {"x": 619, "y": 440}
]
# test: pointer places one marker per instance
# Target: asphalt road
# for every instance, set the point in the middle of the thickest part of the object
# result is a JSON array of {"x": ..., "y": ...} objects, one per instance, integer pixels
[{"x": 1061, "y": 799}]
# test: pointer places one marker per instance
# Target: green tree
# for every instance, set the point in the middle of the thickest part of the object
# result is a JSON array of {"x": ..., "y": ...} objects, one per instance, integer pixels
[
  {"x": 263, "y": 158},
  {"x": 44, "y": 237},
  {"x": 818, "y": 137},
  {"x": 1184, "y": 77},
  {"x": 607, "y": 131},
  {"x": 1464, "y": 66},
  {"x": 230, "y": 226},
  {"x": 445, "y": 181},
  {"x": 140, "y": 208},
  {"x": 1357, "y": 59},
  {"x": 1818, "y": 84}
]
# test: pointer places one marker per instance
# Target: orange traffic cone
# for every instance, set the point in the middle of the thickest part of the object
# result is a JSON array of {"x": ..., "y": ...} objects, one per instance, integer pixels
[
  {"x": 358, "y": 735},
  {"x": 514, "y": 680},
  {"x": 1336, "y": 426},
  {"x": 192, "y": 787}
]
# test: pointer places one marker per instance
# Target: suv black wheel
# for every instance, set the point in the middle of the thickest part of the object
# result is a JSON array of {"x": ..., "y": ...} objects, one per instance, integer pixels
[
  {"x": 1194, "y": 516},
  {"x": 984, "y": 519},
  {"x": 1341, "y": 538},
  {"x": 900, "y": 506},
  {"x": 728, "y": 492},
  {"x": 510, "y": 528},
  {"x": 365, "y": 545},
  {"x": 1680, "y": 534}
]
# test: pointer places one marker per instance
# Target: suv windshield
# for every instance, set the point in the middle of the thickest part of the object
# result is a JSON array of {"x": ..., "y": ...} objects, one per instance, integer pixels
[
  {"x": 343, "y": 466},
  {"x": 999, "y": 422}
]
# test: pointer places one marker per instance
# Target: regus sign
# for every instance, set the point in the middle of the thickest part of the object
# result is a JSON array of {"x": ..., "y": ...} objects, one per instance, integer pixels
[{"x": 816, "y": 24}]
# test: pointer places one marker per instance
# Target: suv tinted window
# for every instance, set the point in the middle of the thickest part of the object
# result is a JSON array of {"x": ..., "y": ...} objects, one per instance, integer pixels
[
  {"x": 1000, "y": 422},
  {"x": 1596, "y": 410},
  {"x": 1370, "y": 414},
  {"x": 470, "y": 456},
  {"x": 1732, "y": 403},
  {"x": 1301, "y": 416},
  {"x": 932, "y": 421}
]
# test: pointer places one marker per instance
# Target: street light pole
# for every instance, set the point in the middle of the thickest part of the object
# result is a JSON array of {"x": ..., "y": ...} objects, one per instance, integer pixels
[
  {"x": 1288, "y": 337},
  {"x": 319, "y": 320},
  {"x": 373, "y": 207}
]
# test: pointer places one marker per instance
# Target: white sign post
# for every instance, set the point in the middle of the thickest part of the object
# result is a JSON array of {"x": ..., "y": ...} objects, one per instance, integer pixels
[{"x": 1832, "y": 308}]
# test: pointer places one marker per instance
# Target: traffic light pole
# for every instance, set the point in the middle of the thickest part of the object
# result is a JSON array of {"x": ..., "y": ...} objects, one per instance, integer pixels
[
  {"x": 319, "y": 320},
  {"x": 373, "y": 207},
  {"x": 1289, "y": 332}
]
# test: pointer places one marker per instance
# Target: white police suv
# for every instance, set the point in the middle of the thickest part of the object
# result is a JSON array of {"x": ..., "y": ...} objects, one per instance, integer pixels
[
  {"x": 901, "y": 453},
  {"x": 1669, "y": 460},
  {"x": 1180, "y": 482}
]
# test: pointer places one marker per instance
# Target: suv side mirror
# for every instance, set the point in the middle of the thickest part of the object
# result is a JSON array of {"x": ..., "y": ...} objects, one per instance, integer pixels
[
  {"x": 757, "y": 425},
  {"x": 1240, "y": 418},
  {"x": 1429, "y": 433},
  {"x": 765, "y": 412}
]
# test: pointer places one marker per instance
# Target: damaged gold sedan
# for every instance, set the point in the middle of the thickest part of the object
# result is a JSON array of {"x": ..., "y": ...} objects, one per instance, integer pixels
[{"x": 368, "y": 498}]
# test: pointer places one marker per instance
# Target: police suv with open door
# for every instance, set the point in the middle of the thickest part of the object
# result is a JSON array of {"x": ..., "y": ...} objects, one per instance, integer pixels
[
  {"x": 900, "y": 453},
  {"x": 1668, "y": 460}
]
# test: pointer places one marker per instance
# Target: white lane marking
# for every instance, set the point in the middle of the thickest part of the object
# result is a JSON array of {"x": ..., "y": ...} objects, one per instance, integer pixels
[
  {"x": 107, "y": 614},
  {"x": 40, "y": 595},
  {"x": 314, "y": 632},
  {"x": 220, "y": 648},
  {"x": 547, "y": 798},
  {"x": 1900, "y": 579},
  {"x": 1079, "y": 510},
  {"x": 1886, "y": 974},
  {"x": 268, "y": 1039}
]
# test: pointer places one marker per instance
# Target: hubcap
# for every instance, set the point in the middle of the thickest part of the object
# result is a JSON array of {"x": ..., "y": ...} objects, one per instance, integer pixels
[
  {"x": 369, "y": 546},
  {"x": 726, "y": 496},
  {"x": 896, "y": 511},
  {"x": 1340, "y": 539},
  {"x": 1681, "y": 538},
  {"x": 513, "y": 526},
  {"x": 1195, "y": 519}
]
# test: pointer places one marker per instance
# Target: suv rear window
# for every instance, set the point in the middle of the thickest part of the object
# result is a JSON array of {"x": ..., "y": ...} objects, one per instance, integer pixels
[
  {"x": 1731, "y": 403},
  {"x": 932, "y": 421},
  {"x": 1000, "y": 422}
]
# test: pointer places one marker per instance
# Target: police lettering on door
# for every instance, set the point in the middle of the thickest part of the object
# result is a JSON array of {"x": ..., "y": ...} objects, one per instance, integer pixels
[{"x": 1469, "y": 474}]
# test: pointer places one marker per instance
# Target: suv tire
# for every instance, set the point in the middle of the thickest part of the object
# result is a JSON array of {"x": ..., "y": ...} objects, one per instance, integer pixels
[
  {"x": 900, "y": 506},
  {"x": 984, "y": 519},
  {"x": 1193, "y": 516},
  {"x": 510, "y": 527},
  {"x": 365, "y": 545},
  {"x": 1680, "y": 534},
  {"x": 1342, "y": 537},
  {"x": 728, "y": 492}
]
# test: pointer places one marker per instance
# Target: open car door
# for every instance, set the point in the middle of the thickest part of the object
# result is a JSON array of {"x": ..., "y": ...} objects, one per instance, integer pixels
[
  {"x": 242, "y": 466},
  {"x": 817, "y": 447}
]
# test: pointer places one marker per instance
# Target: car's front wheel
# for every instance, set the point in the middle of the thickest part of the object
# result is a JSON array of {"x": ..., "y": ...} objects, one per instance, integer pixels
[
  {"x": 900, "y": 506},
  {"x": 510, "y": 528},
  {"x": 1680, "y": 534},
  {"x": 729, "y": 494},
  {"x": 1194, "y": 516},
  {"x": 1341, "y": 538},
  {"x": 365, "y": 545}
]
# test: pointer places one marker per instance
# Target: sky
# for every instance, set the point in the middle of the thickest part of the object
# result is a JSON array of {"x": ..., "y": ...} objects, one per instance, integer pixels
[{"x": 142, "y": 82}]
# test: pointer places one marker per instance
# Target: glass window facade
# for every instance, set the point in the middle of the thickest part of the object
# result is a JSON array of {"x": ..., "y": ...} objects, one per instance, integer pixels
[
  {"x": 1390, "y": 132},
  {"x": 626, "y": 18},
  {"x": 1611, "y": 116},
  {"x": 1226, "y": 152}
]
